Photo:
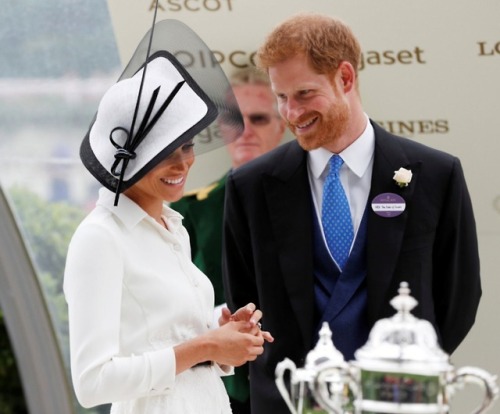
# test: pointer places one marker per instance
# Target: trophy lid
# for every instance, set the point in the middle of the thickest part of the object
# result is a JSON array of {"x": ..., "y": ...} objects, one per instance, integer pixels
[
  {"x": 324, "y": 351},
  {"x": 403, "y": 341}
]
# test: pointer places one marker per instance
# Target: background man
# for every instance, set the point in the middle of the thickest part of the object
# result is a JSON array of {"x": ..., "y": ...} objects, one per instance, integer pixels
[
  {"x": 304, "y": 236},
  {"x": 203, "y": 209}
]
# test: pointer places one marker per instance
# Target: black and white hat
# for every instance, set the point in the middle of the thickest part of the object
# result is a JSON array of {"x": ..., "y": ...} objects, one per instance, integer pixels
[{"x": 157, "y": 105}]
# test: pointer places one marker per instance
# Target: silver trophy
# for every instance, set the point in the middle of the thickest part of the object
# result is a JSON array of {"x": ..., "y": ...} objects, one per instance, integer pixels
[
  {"x": 400, "y": 370},
  {"x": 307, "y": 395}
]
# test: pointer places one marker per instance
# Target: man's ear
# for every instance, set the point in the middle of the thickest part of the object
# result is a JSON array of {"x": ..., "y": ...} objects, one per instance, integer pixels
[{"x": 347, "y": 76}]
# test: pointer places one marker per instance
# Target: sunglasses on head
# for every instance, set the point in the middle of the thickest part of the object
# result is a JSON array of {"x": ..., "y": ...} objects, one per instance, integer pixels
[
  {"x": 255, "y": 119},
  {"x": 259, "y": 119}
]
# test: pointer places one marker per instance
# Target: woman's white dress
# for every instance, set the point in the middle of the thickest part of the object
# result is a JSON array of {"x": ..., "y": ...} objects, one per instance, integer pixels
[{"x": 133, "y": 293}]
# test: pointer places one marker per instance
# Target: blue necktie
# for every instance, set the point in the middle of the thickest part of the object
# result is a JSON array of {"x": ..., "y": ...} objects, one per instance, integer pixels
[{"x": 335, "y": 214}]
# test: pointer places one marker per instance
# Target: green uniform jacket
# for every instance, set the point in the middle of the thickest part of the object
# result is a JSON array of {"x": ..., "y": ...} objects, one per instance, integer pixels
[{"x": 203, "y": 211}]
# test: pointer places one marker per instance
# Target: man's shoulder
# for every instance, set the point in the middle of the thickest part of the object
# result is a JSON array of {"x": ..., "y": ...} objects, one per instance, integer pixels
[
  {"x": 199, "y": 194},
  {"x": 279, "y": 158},
  {"x": 196, "y": 195},
  {"x": 413, "y": 148}
]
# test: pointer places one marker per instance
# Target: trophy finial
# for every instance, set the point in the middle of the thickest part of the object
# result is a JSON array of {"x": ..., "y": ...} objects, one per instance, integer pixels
[
  {"x": 324, "y": 350},
  {"x": 404, "y": 302},
  {"x": 325, "y": 335}
]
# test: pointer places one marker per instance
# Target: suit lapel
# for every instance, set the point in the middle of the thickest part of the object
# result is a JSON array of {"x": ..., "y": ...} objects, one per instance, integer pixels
[
  {"x": 385, "y": 235},
  {"x": 289, "y": 203}
]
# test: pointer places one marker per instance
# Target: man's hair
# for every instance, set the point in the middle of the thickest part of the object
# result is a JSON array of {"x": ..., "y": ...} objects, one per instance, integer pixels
[
  {"x": 249, "y": 76},
  {"x": 324, "y": 40}
]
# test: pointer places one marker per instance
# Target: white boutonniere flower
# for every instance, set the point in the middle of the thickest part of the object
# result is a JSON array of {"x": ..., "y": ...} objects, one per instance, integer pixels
[{"x": 402, "y": 177}]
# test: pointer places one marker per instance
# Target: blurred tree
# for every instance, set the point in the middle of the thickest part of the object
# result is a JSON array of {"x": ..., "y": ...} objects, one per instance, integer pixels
[
  {"x": 56, "y": 40},
  {"x": 49, "y": 39},
  {"x": 47, "y": 229},
  {"x": 11, "y": 391}
]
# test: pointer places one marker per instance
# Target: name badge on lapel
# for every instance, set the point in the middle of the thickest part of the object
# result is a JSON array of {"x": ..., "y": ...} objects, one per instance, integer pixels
[{"x": 388, "y": 205}]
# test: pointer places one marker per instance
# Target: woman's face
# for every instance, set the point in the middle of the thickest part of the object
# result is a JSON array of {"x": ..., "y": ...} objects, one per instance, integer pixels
[{"x": 166, "y": 181}]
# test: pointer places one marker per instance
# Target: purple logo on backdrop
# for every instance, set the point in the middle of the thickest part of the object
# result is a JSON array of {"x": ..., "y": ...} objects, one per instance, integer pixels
[{"x": 388, "y": 205}]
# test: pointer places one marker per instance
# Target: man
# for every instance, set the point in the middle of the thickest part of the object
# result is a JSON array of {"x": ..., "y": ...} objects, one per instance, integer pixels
[
  {"x": 203, "y": 209},
  {"x": 277, "y": 249}
]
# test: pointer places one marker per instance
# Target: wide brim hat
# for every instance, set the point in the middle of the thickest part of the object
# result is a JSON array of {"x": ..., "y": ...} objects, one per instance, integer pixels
[{"x": 166, "y": 96}]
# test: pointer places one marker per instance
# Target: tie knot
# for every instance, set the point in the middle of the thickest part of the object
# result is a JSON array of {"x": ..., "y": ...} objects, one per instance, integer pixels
[{"x": 335, "y": 162}]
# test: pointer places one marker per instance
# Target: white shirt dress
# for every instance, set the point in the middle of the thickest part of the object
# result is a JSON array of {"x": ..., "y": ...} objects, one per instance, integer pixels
[{"x": 133, "y": 293}]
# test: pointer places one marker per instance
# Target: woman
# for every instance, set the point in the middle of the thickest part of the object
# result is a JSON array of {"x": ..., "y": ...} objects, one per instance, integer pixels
[{"x": 140, "y": 312}]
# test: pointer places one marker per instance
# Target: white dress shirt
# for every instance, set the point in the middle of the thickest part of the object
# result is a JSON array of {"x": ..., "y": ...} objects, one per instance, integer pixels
[
  {"x": 355, "y": 174},
  {"x": 133, "y": 293}
]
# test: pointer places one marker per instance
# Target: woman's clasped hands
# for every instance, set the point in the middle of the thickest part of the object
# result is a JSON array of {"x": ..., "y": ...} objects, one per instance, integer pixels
[
  {"x": 241, "y": 338},
  {"x": 237, "y": 340}
]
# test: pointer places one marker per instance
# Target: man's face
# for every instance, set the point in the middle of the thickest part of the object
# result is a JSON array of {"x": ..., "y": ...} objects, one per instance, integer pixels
[
  {"x": 264, "y": 128},
  {"x": 312, "y": 104}
]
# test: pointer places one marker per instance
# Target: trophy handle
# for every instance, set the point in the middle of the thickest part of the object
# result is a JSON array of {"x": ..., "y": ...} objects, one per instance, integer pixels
[
  {"x": 332, "y": 385},
  {"x": 482, "y": 378},
  {"x": 283, "y": 366}
]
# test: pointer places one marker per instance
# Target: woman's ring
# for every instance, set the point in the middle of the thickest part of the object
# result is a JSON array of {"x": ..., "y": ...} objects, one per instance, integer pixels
[{"x": 259, "y": 325}]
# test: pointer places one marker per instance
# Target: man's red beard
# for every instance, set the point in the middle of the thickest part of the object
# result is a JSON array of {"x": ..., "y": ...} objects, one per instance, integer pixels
[{"x": 328, "y": 128}]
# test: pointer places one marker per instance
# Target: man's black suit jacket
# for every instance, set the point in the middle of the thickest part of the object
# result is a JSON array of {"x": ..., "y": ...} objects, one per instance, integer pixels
[{"x": 268, "y": 249}]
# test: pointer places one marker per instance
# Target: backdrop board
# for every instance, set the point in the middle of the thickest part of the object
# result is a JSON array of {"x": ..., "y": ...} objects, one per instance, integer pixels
[{"x": 430, "y": 71}]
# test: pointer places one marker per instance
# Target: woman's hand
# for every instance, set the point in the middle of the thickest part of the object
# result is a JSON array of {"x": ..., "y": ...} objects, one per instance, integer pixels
[
  {"x": 231, "y": 344},
  {"x": 238, "y": 340},
  {"x": 247, "y": 313},
  {"x": 235, "y": 343}
]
